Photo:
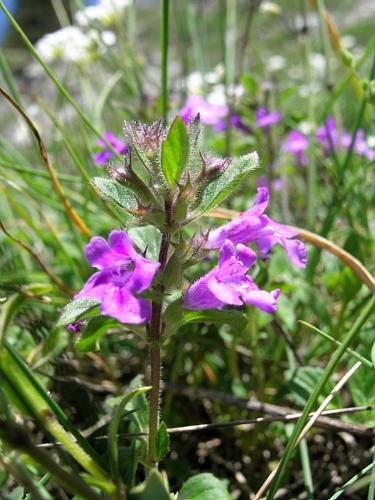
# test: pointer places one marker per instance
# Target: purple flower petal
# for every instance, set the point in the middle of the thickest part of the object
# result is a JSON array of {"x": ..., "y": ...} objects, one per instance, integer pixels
[
  {"x": 210, "y": 114},
  {"x": 106, "y": 154},
  {"x": 225, "y": 293},
  {"x": 121, "y": 244},
  {"x": 124, "y": 306},
  {"x": 265, "y": 118},
  {"x": 254, "y": 226},
  {"x": 228, "y": 284},
  {"x": 296, "y": 144},
  {"x": 266, "y": 301},
  {"x": 98, "y": 253}
]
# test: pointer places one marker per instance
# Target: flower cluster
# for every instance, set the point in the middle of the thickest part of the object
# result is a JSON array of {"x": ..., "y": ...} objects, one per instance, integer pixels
[
  {"x": 253, "y": 226},
  {"x": 331, "y": 139},
  {"x": 104, "y": 11},
  {"x": 73, "y": 45},
  {"x": 123, "y": 274}
]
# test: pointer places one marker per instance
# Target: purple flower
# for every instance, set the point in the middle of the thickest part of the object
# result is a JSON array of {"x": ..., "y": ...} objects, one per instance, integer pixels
[
  {"x": 331, "y": 140},
  {"x": 74, "y": 327},
  {"x": 238, "y": 123},
  {"x": 227, "y": 283},
  {"x": 254, "y": 226},
  {"x": 106, "y": 154},
  {"x": 328, "y": 136},
  {"x": 210, "y": 114},
  {"x": 296, "y": 144},
  {"x": 264, "y": 118},
  {"x": 277, "y": 183},
  {"x": 123, "y": 274}
]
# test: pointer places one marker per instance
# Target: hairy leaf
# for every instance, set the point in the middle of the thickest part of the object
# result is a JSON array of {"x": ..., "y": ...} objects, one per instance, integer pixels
[
  {"x": 75, "y": 310},
  {"x": 223, "y": 186},
  {"x": 115, "y": 192}
]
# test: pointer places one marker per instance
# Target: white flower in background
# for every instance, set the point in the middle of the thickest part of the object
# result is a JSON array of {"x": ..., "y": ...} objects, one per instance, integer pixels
[
  {"x": 108, "y": 38},
  {"x": 305, "y": 127},
  {"x": 314, "y": 88},
  {"x": 104, "y": 12},
  {"x": 217, "y": 95},
  {"x": 318, "y": 63},
  {"x": 270, "y": 8},
  {"x": 194, "y": 82},
  {"x": 275, "y": 63},
  {"x": 69, "y": 44},
  {"x": 215, "y": 76},
  {"x": 348, "y": 41}
]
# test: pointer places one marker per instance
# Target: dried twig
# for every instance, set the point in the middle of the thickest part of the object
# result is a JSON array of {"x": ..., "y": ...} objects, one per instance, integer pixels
[{"x": 265, "y": 408}]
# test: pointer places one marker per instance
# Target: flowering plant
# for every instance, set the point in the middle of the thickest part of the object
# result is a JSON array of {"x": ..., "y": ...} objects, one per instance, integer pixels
[{"x": 165, "y": 187}]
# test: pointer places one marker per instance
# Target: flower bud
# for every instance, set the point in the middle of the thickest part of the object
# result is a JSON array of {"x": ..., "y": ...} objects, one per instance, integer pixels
[
  {"x": 186, "y": 194},
  {"x": 214, "y": 167},
  {"x": 130, "y": 179}
]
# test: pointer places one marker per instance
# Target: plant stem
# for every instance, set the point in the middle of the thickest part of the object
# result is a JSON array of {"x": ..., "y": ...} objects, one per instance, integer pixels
[
  {"x": 154, "y": 334},
  {"x": 164, "y": 58}
]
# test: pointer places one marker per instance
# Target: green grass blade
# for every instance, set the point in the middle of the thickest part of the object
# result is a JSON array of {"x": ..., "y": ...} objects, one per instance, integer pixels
[
  {"x": 57, "y": 410},
  {"x": 351, "y": 481},
  {"x": 164, "y": 58},
  {"x": 353, "y": 353},
  {"x": 331, "y": 366}
]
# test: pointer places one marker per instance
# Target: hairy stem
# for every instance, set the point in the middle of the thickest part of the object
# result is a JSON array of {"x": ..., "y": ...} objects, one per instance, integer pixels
[{"x": 154, "y": 334}]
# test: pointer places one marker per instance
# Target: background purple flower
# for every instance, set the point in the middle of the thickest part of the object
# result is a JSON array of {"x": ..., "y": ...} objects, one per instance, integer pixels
[
  {"x": 210, "y": 114},
  {"x": 296, "y": 144},
  {"x": 228, "y": 284},
  {"x": 123, "y": 274},
  {"x": 277, "y": 183},
  {"x": 264, "y": 118},
  {"x": 103, "y": 156},
  {"x": 254, "y": 226},
  {"x": 331, "y": 139}
]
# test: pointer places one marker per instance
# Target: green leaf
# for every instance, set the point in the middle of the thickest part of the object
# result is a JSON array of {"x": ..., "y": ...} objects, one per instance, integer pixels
[
  {"x": 75, "y": 309},
  {"x": 115, "y": 192},
  {"x": 204, "y": 487},
  {"x": 113, "y": 429},
  {"x": 373, "y": 354},
  {"x": 146, "y": 238},
  {"x": 153, "y": 488},
  {"x": 223, "y": 186},
  {"x": 176, "y": 316},
  {"x": 162, "y": 441},
  {"x": 235, "y": 319},
  {"x": 88, "y": 340},
  {"x": 175, "y": 151}
]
